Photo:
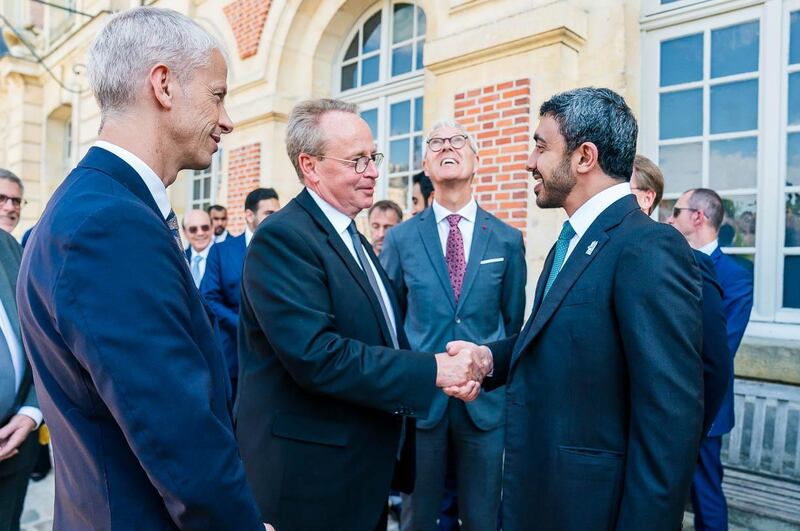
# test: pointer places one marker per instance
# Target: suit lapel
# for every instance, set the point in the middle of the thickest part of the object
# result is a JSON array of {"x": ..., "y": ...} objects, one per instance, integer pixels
[
  {"x": 433, "y": 246},
  {"x": 481, "y": 233}
]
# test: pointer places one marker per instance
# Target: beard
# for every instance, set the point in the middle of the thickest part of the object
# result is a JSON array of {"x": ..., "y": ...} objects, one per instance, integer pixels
[
  {"x": 218, "y": 230},
  {"x": 557, "y": 187}
]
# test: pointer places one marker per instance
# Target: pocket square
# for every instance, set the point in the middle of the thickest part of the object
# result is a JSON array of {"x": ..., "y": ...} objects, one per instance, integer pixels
[{"x": 492, "y": 260}]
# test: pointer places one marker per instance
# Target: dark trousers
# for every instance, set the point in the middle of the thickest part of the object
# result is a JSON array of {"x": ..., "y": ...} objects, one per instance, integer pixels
[
  {"x": 708, "y": 500},
  {"x": 478, "y": 458},
  {"x": 14, "y": 474}
]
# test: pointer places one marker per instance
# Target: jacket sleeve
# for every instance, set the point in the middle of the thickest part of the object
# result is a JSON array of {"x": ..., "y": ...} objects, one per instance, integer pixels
[
  {"x": 390, "y": 260},
  {"x": 287, "y": 292},
  {"x": 122, "y": 302},
  {"x": 212, "y": 290},
  {"x": 513, "y": 297},
  {"x": 660, "y": 323},
  {"x": 738, "y": 300}
]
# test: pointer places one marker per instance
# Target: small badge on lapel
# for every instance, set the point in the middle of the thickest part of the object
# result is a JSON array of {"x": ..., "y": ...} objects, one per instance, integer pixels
[{"x": 590, "y": 249}]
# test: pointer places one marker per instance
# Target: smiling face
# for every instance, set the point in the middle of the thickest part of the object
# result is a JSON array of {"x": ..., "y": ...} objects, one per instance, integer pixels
[
  {"x": 9, "y": 212},
  {"x": 450, "y": 165},
  {"x": 550, "y": 166},
  {"x": 197, "y": 228}
]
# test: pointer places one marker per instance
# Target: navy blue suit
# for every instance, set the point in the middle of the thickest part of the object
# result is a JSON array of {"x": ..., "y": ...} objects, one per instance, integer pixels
[
  {"x": 708, "y": 499},
  {"x": 221, "y": 286},
  {"x": 130, "y": 379}
]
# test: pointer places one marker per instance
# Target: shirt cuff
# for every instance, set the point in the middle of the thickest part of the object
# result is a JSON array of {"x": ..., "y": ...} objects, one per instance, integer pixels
[{"x": 33, "y": 412}]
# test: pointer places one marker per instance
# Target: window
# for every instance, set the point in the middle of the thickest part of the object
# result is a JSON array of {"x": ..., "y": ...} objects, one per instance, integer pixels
[
  {"x": 381, "y": 70},
  {"x": 203, "y": 184},
  {"x": 721, "y": 109}
]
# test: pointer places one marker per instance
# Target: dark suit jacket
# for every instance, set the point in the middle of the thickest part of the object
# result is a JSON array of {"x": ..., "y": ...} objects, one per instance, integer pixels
[
  {"x": 220, "y": 287},
  {"x": 131, "y": 383},
  {"x": 604, "y": 384},
  {"x": 321, "y": 394},
  {"x": 491, "y": 305},
  {"x": 737, "y": 299},
  {"x": 717, "y": 360}
]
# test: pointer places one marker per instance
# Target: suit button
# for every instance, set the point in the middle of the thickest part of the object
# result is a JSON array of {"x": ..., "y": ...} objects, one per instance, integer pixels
[{"x": 458, "y": 320}]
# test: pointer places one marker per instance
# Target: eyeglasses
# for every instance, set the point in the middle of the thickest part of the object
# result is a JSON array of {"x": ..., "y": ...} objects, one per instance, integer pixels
[
  {"x": 360, "y": 163},
  {"x": 436, "y": 144},
  {"x": 16, "y": 201},
  {"x": 201, "y": 228},
  {"x": 676, "y": 211}
]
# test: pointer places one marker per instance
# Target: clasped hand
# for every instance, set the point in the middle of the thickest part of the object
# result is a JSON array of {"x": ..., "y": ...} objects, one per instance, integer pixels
[{"x": 462, "y": 368}]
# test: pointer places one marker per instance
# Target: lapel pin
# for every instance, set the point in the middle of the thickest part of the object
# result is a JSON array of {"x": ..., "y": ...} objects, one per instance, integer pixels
[{"x": 590, "y": 249}]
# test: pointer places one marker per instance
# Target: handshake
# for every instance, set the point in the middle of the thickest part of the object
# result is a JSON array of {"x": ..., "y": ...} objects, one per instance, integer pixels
[{"x": 460, "y": 370}]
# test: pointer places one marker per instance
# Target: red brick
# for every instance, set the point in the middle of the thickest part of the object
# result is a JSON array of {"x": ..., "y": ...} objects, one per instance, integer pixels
[{"x": 244, "y": 174}]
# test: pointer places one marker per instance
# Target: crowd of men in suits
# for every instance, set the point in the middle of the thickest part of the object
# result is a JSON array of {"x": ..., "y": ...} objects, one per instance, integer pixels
[{"x": 298, "y": 372}]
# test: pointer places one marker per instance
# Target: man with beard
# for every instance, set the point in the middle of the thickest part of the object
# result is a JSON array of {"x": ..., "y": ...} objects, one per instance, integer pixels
[
  {"x": 219, "y": 222},
  {"x": 604, "y": 384}
]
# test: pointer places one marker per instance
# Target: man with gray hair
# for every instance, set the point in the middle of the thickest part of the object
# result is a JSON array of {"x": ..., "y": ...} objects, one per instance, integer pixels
[
  {"x": 132, "y": 383},
  {"x": 326, "y": 379},
  {"x": 11, "y": 200}
]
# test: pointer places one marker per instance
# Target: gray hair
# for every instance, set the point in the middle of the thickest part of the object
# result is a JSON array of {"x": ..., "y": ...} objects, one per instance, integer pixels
[
  {"x": 303, "y": 134},
  {"x": 599, "y": 116},
  {"x": 455, "y": 125},
  {"x": 133, "y": 41},
  {"x": 709, "y": 203},
  {"x": 11, "y": 176}
]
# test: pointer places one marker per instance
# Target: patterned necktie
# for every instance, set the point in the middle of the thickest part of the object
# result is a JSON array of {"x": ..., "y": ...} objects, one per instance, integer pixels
[
  {"x": 172, "y": 223},
  {"x": 364, "y": 261},
  {"x": 196, "y": 269},
  {"x": 454, "y": 255},
  {"x": 562, "y": 244}
]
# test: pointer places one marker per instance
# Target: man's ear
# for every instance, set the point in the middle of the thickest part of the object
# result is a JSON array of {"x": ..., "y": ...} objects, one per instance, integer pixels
[
  {"x": 161, "y": 82},
  {"x": 308, "y": 165},
  {"x": 587, "y": 157}
]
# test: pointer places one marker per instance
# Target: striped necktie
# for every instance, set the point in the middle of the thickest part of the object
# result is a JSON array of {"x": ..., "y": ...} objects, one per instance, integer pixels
[{"x": 562, "y": 245}]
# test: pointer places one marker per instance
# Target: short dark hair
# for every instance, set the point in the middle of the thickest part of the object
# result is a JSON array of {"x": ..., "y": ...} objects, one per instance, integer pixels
[
  {"x": 709, "y": 203},
  {"x": 425, "y": 185},
  {"x": 599, "y": 116},
  {"x": 256, "y": 196},
  {"x": 216, "y": 207},
  {"x": 386, "y": 204}
]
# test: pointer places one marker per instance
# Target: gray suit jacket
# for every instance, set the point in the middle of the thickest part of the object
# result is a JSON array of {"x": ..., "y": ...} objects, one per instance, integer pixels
[
  {"x": 491, "y": 305},
  {"x": 10, "y": 256}
]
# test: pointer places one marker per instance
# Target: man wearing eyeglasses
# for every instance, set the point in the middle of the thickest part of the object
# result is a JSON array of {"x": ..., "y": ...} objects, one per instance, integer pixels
[
  {"x": 326, "y": 379},
  {"x": 461, "y": 273},
  {"x": 698, "y": 215},
  {"x": 197, "y": 228},
  {"x": 11, "y": 200}
]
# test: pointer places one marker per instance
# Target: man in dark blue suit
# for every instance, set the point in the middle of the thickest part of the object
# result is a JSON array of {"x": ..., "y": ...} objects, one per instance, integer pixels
[
  {"x": 221, "y": 284},
  {"x": 604, "y": 385},
  {"x": 125, "y": 359},
  {"x": 699, "y": 214}
]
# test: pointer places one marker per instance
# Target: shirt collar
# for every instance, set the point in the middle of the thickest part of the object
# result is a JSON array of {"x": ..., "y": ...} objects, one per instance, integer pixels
[
  {"x": 710, "y": 247},
  {"x": 583, "y": 218},
  {"x": 339, "y": 220},
  {"x": 248, "y": 235},
  {"x": 204, "y": 252},
  {"x": 151, "y": 180},
  {"x": 468, "y": 211}
]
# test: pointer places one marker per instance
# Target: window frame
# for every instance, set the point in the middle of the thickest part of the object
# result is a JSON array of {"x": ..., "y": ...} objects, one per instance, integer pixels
[{"x": 214, "y": 171}]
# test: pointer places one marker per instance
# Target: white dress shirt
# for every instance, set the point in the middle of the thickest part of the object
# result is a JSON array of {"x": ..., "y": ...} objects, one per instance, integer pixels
[
  {"x": 248, "y": 235},
  {"x": 709, "y": 248},
  {"x": 18, "y": 361},
  {"x": 340, "y": 222},
  {"x": 583, "y": 218},
  {"x": 151, "y": 180},
  {"x": 221, "y": 237},
  {"x": 203, "y": 258},
  {"x": 466, "y": 224}
]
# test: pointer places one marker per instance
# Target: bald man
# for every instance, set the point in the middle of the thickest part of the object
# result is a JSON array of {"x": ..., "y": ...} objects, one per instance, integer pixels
[{"x": 197, "y": 229}]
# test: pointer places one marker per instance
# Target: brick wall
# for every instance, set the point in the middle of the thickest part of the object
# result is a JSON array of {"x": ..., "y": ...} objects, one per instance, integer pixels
[
  {"x": 244, "y": 174},
  {"x": 247, "y": 19},
  {"x": 499, "y": 117}
]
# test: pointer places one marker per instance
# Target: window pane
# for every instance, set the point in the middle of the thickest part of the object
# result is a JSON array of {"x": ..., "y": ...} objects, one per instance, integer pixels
[
  {"x": 791, "y": 282},
  {"x": 196, "y": 190},
  {"x": 400, "y": 120},
  {"x": 794, "y": 99},
  {"x": 418, "y": 114},
  {"x": 403, "y": 22},
  {"x": 794, "y": 39},
  {"x": 352, "y": 50},
  {"x": 372, "y": 33},
  {"x": 733, "y": 164},
  {"x": 739, "y": 224},
  {"x": 349, "y": 76},
  {"x": 401, "y": 60},
  {"x": 734, "y": 107},
  {"x": 681, "y": 114},
  {"x": 398, "y": 156},
  {"x": 422, "y": 23},
  {"x": 371, "y": 117},
  {"x": 792, "y": 233},
  {"x": 682, "y": 60},
  {"x": 665, "y": 209},
  {"x": 418, "y": 55},
  {"x": 417, "y": 153},
  {"x": 370, "y": 70},
  {"x": 682, "y": 165},
  {"x": 207, "y": 188},
  {"x": 398, "y": 191},
  {"x": 793, "y": 159},
  {"x": 734, "y": 50}
]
